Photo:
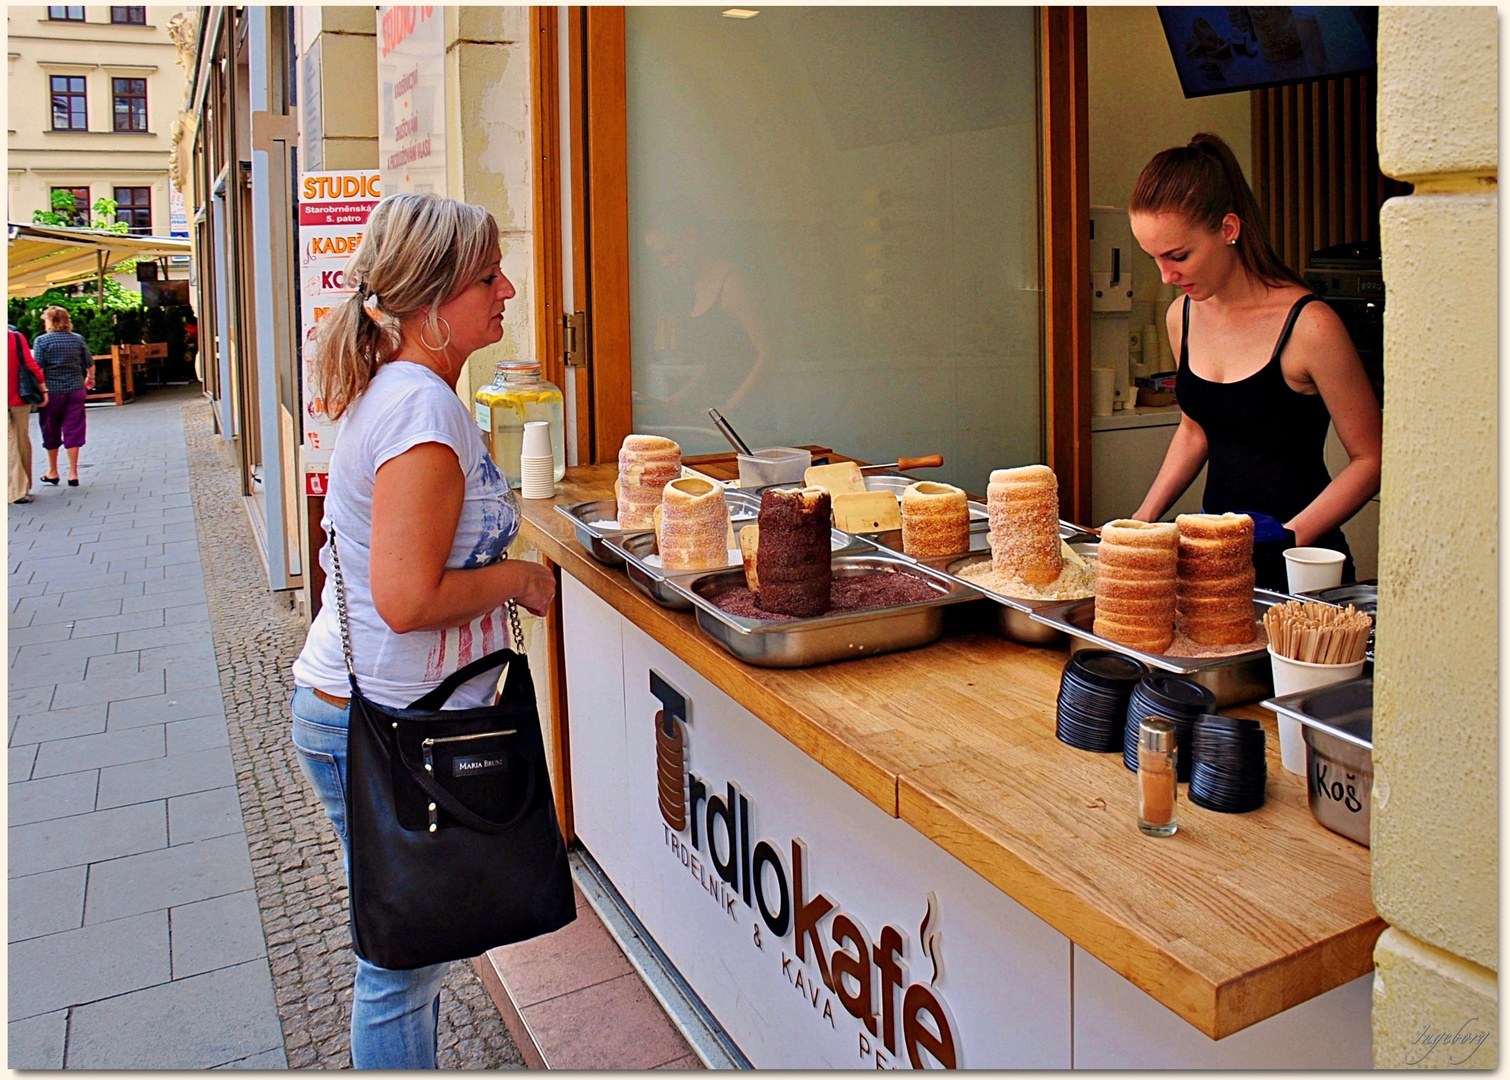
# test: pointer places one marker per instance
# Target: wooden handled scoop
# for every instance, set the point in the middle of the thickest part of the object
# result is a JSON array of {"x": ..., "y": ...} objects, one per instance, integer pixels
[{"x": 931, "y": 461}]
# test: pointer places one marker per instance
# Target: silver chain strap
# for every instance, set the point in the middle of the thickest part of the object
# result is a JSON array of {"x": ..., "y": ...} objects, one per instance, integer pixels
[{"x": 335, "y": 562}]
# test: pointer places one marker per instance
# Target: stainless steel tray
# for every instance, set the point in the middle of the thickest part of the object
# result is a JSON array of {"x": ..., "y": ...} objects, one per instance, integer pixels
[
  {"x": 634, "y": 550},
  {"x": 1014, "y": 614},
  {"x": 806, "y": 642},
  {"x": 582, "y": 514},
  {"x": 1339, "y": 733},
  {"x": 1233, "y": 679},
  {"x": 980, "y": 536}
]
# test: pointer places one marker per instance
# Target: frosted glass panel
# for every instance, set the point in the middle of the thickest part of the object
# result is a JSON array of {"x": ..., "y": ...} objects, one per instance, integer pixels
[{"x": 834, "y": 231}]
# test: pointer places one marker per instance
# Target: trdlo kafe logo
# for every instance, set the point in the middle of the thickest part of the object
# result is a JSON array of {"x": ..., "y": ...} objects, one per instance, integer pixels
[{"x": 866, "y": 976}]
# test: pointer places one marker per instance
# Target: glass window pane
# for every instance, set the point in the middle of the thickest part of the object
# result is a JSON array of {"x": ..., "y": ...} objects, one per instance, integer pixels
[{"x": 834, "y": 231}]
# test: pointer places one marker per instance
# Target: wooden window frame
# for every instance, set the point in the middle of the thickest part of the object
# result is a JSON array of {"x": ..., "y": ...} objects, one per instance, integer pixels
[
  {"x": 133, "y": 207},
  {"x": 140, "y": 18},
  {"x": 129, "y": 95},
  {"x": 52, "y": 11},
  {"x": 602, "y": 222},
  {"x": 68, "y": 92}
]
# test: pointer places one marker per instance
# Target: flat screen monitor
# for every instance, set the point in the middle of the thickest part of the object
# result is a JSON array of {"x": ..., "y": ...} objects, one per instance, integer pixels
[{"x": 1218, "y": 50}]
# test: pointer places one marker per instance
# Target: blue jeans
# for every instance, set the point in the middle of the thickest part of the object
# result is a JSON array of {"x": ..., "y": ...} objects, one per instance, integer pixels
[{"x": 393, "y": 1013}]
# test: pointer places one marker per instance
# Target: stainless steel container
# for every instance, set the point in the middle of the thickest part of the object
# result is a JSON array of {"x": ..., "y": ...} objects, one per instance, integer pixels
[
  {"x": 848, "y": 636},
  {"x": 594, "y": 538},
  {"x": 980, "y": 535},
  {"x": 1339, "y": 734},
  {"x": 635, "y": 550},
  {"x": 1014, "y": 614},
  {"x": 1235, "y": 679}
]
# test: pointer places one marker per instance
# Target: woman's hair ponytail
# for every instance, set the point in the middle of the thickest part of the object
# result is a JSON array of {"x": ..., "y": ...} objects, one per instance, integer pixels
[
  {"x": 1203, "y": 181},
  {"x": 417, "y": 252}
]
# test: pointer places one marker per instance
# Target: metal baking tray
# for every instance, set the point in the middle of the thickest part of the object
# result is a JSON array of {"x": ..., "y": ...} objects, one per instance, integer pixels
[
  {"x": 582, "y": 514},
  {"x": 634, "y": 549},
  {"x": 1339, "y": 733},
  {"x": 823, "y": 640},
  {"x": 980, "y": 537},
  {"x": 1233, "y": 679},
  {"x": 1014, "y": 614}
]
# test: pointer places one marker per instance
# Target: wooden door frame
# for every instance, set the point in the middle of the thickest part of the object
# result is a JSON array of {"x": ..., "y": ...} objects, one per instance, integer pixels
[
  {"x": 1065, "y": 178},
  {"x": 1066, "y": 256}
]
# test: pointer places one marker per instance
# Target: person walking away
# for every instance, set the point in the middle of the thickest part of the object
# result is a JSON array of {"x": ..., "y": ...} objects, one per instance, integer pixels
[
  {"x": 423, "y": 518},
  {"x": 20, "y": 416},
  {"x": 69, "y": 367}
]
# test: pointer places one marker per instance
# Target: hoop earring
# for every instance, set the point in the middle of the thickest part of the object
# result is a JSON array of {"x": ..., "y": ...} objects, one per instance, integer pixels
[{"x": 443, "y": 345}]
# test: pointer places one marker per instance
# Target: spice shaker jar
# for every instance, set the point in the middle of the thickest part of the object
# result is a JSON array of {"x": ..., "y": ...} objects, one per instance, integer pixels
[
  {"x": 1157, "y": 777},
  {"x": 517, "y": 395}
]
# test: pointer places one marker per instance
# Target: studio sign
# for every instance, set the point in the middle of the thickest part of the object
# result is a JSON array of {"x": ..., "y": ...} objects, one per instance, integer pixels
[{"x": 865, "y": 976}]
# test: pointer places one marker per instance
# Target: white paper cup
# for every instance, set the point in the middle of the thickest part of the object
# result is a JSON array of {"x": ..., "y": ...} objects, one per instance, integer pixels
[
  {"x": 537, "y": 477},
  {"x": 1291, "y": 677},
  {"x": 1311, "y": 568},
  {"x": 537, "y": 439},
  {"x": 1103, "y": 391}
]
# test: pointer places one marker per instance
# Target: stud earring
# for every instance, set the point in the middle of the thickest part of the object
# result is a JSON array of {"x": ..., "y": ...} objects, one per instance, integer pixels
[{"x": 1231, "y": 243}]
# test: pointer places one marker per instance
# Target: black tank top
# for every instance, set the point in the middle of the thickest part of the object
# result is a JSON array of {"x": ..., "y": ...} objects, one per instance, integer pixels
[{"x": 1266, "y": 442}]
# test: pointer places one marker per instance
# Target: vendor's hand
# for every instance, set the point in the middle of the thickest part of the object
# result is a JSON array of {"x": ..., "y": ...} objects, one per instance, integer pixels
[{"x": 538, "y": 590}]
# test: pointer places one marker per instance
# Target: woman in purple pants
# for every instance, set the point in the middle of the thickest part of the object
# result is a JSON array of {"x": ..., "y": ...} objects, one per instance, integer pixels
[{"x": 69, "y": 368}]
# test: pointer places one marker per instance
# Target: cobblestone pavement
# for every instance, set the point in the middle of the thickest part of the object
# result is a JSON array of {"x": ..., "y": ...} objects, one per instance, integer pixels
[{"x": 295, "y": 854}]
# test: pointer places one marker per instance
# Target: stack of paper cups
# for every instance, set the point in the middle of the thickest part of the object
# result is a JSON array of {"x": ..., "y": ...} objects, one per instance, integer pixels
[{"x": 537, "y": 465}]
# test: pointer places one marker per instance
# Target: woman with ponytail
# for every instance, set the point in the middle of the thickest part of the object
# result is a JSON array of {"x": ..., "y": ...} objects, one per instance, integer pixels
[
  {"x": 422, "y": 518},
  {"x": 1263, "y": 368}
]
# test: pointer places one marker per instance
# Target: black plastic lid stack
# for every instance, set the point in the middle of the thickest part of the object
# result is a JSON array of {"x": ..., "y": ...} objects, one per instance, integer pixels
[
  {"x": 1229, "y": 773},
  {"x": 1093, "y": 694},
  {"x": 1170, "y": 697}
]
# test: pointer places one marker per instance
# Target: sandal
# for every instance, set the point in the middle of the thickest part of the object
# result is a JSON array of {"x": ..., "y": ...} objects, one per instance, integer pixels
[
  {"x": 53, "y": 480},
  {"x": 74, "y": 482}
]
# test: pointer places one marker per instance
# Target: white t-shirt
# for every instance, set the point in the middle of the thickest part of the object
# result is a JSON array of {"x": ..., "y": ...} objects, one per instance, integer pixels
[{"x": 406, "y": 405}]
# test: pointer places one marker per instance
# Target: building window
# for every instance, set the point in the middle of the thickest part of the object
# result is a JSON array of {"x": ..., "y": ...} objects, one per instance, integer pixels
[
  {"x": 68, "y": 112},
  {"x": 66, "y": 14},
  {"x": 133, "y": 205},
  {"x": 129, "y": 16},
  {"x": 79, "y": 215},
  {"x": 130, "y": 104}
]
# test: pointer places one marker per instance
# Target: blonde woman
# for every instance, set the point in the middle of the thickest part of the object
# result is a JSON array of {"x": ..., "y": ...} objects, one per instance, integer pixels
[
  {"x": 69, "y": 368},
  {"x": 422, "y": 517}
]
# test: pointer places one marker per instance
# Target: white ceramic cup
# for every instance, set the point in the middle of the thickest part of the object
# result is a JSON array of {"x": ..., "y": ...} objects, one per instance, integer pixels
[
  {"x": 1103, "y": 391},
  {"x": 1291, "y": 677},
  {"x": 537, "y": 477},
  {"x": 1311, "y": 568},
  {"x": 537, "y": 439}
]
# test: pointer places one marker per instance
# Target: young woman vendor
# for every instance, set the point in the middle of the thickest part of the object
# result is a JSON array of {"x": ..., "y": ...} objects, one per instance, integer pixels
[{"x": 1264, "y": 367}]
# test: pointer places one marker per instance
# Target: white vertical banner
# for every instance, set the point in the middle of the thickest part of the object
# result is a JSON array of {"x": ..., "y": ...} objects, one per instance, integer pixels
[
  {"x": 333, "y": 210},
  {"x": 412, "y": 98}
]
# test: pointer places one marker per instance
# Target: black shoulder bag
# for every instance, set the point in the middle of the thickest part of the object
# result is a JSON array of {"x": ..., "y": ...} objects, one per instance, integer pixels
[{"x": 455, "y": 848}]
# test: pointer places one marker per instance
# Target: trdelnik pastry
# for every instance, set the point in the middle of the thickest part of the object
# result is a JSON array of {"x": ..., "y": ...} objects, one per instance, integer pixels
[
  {"x": 692, "y": 530},
  {"x": 1135, "y": 584},
  {"x": 1214, "y": 596},
  {"x": 1024, "y": 508},
  {"x": 935, "y": 520},
  {"x": 647, "y": 463}
]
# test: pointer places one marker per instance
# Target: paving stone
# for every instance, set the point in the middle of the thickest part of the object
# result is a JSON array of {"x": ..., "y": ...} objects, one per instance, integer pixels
[
  {"x": 161, "y": 708},
  {"x": 37, "y": 1042},
  {"x": 268, "y": 1059},
  {"x": 125, "y": 955},
  {"x": 167, "y": 878},
  {"x": 216, "y": 812},
  {"x": 177, "y": 598},
  {"x": 186, "y": 736},
  {"x": 47, "y": 903},
  {"x": 32, "y": 699},
  {"x": 64, "y": 649},
  {"x": 52, "y": 797},
  {"x": 169, "y": 634},
  {"x": 186, "y": 677},
  {"x": 32, "y": 635},
  {"x": 111, "y": 624},
  {"x": 22, "y": 759},
  {"x": 190, "y": 1030},
  {"x": 99, "y": 751},
  {"x": 59, "y": 724},
  {"x": 216, "y": 933},
  {"x": 75, "y": 841},
  {"x": 201, "y": 652},
  {"x": 62, "y": 670},
  {"x": 160, "y": 778}
]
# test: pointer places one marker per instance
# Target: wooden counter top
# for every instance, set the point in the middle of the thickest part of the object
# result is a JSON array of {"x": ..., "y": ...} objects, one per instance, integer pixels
[{"x": 1235, "y": 918}]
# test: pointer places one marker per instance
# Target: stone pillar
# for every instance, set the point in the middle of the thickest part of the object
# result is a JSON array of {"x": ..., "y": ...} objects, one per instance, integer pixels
[
  {"x": 338, "y": 91},
  {"x": 488, "y": 157},
  {"x": 1435, "y": 808}
]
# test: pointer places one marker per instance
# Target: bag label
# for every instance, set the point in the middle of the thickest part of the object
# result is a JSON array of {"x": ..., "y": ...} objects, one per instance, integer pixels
[{"x": 475, "y": 766}]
